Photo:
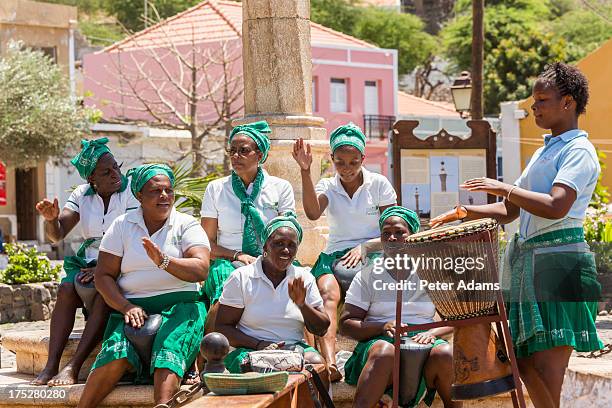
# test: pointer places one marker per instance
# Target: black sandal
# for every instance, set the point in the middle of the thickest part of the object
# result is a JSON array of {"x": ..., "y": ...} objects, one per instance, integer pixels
[{"x": 191, "y": 375}]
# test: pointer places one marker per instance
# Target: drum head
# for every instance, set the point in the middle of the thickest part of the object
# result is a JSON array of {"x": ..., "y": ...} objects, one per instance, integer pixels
[
  {"x": 86, "y": 291},
  {"x": 450, "y": 231},
  {"x": 345, "y": 275},
  {"x": 142, "y": 338}
]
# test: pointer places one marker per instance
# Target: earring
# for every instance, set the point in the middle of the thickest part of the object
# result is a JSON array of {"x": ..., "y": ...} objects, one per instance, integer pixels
[{"x": 265, "y": 254}]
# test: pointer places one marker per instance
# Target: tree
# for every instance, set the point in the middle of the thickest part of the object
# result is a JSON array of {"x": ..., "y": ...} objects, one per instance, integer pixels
[
  {"x": 516, "y": 48},
  {"x": 38, "y": 117},
  {"x": 130, "y": 13},
  {"x": 183, "y": 86},
  {"x": 403, "y": 32},
  {"x": 583, "y": 30},
  {"x": 339, "y": 15}
]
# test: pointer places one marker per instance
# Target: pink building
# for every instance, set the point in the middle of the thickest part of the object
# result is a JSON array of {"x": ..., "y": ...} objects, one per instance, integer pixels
[{"x": 352, "y": 80}]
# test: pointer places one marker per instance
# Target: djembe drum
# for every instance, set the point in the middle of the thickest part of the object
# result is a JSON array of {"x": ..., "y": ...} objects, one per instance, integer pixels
[{"x": 481, "y": 366}]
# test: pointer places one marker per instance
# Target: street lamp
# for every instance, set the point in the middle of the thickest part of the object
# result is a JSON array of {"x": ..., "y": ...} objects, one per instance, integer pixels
[{"x": 462, "y": 93}]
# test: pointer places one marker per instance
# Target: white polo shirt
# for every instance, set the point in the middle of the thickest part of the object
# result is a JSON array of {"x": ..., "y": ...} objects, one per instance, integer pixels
[
  {"x": 269, "y": 314},
  {"x": 92, "y": 220},
  {"x": 353, "y": 221},
  {"x": 369, "y": 292},
  {"x": 139, "y": 276},
  {"x": 220, "y": 202}
]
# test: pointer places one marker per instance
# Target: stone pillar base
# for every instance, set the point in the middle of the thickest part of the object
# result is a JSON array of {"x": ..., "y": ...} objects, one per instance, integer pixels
[{"x": 286, "y": 129}]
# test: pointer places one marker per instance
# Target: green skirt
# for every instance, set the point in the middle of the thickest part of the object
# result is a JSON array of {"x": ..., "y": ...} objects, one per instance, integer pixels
[
  {"x": 176, "y": 344},
  {"x": 219, "y": 271},
  {"x": 557, "y": 292},
  {"x": 73, "y": 265},
  {"x": 355, "y": 363},
  {"x": 234, "y": 360}
]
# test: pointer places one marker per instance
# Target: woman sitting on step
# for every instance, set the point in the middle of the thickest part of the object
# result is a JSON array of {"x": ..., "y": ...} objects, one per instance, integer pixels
[
  {"x": 352, "y": 201},
  {"x": 369, "y": 318},
  {"x": 236, "y": 208},
  {"x": 267, "y": 304},
  {"x": 151, "y": 262},
  {"x": 94, "y": 205}
]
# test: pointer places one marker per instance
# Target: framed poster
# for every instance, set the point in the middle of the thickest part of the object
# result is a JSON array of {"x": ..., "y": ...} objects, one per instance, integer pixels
[{"x": 427, "y": 173}]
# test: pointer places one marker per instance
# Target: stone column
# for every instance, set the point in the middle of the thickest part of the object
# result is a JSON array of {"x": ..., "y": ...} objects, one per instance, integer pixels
[{"x": 277, "y": 65}]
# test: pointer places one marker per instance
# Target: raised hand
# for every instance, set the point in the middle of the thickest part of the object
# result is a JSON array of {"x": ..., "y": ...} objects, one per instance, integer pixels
[
  {"x": 487, "y": 185},
  {"x": 153, "y": 251},
  {"x": 301, "y": 154},
  {"x": 297, "y": 291},
  {"x": 49, "y": 210}
]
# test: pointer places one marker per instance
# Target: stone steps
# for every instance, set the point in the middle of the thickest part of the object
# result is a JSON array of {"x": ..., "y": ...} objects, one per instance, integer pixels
[{"x": 588, "y": 382}]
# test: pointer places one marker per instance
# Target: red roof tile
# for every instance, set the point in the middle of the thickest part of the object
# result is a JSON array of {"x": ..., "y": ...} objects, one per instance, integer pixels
[
  {"x": 414, "y": 106},
  {"x": 216, "y": 20}
]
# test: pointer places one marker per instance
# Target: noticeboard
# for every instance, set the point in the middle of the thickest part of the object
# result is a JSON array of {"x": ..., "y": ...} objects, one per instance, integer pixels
[{"x": 427, "y": 172}]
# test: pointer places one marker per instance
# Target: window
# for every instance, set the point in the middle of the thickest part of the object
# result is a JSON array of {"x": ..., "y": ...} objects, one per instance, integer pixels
[
  {"x": 370, "y": 98},
  {"x": 50, "y": 52},
  {"x": 338, "y": 95}
]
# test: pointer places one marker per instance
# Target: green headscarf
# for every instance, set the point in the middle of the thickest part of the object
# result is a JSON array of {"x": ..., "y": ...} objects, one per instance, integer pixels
[
  {"x": 348, "y": 135},
  {"x": 87, "y": 159},
  {"x": 141, "y": 174},
  {"x": 411, "y": 218},
  {"x": 256, "y": 131},
  {"x": 288, "y": 219}
]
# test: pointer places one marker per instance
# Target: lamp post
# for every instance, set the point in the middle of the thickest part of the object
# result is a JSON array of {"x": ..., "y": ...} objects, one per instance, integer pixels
[{"x": 462, "y": 93}]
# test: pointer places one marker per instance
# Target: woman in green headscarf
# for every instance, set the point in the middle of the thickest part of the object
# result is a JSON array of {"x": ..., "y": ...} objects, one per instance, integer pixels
[
  {"x": 236, "y": 208},
  {"x": 94, "y": 205},
  {"x": 369, "y": 317},
  {"x": 151, "y": 261},
  {"x": 268, "y": 303},
  {"x": 352, "y": 200}
]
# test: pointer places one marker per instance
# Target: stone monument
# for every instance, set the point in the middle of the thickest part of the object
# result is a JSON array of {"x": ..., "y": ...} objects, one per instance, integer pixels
[{"x": 277, "y": 65}]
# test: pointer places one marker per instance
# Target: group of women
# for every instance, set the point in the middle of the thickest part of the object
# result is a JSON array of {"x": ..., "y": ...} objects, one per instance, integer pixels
[{"x": 235, "y": 271}]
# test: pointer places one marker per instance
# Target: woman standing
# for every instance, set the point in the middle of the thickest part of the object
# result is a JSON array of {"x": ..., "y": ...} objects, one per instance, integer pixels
[
  {"x": 553, "y": 287},
  {"x": 94, "y": 205},
  {"x": 236, "y": 208},
  {"x": 151, "y": 261},
  {"x": 353, "y": 199}
]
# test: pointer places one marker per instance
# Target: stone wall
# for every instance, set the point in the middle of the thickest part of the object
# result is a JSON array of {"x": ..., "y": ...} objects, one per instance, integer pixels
[{"x": 34, "y": 301}]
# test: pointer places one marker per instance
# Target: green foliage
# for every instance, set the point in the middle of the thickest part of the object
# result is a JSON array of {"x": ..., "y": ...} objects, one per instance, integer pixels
[
  {"x": 516, "y": 50},
  {"x": 403, "y": 32},
  {"x": 131, "y": 12},
  {"x": 596, "y": 227},
  {"x": 583, "y": 30},
  {"x": 339, "y": 15},
  {"x": 101, "y": 33},
  {"x": 38, "y": 117},
  {"x": 188, "y": 190},
  {"x": 27, "y": 265}
]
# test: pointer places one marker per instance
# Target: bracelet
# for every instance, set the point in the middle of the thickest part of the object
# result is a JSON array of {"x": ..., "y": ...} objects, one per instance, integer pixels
[
  {"x": 235, "y": 257},
  {"x": 457, "y": 211},
  {"x": 510, "y": 192},
  {"x": 165, "y": 262}
]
